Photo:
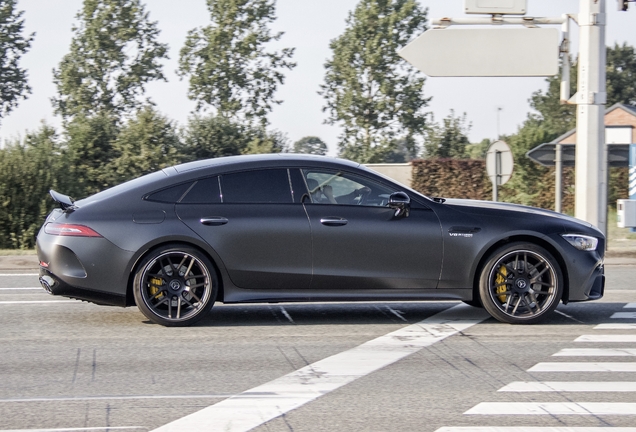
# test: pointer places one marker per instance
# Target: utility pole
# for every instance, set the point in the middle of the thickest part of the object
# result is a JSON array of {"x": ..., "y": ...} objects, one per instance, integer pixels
[{"x": 591, "y": 152}]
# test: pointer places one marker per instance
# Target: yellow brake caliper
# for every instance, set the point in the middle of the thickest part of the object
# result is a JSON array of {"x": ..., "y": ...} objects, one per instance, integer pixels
[
  {"x": 155, "y": 287},
  {"x": 500, "y": 282}
]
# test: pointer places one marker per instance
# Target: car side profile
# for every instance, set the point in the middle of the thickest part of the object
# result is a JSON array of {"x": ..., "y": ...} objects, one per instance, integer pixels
[{"x": 293, "y": 228}]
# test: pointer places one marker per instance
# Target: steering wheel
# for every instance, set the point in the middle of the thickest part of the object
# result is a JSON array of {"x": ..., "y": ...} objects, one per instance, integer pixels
[{"x": 362, "y": 196}]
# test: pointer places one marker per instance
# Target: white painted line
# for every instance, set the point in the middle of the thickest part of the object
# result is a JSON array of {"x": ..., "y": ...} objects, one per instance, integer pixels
[
  {"x": 606, "y": 338},
  {"x": 95, "y": 398},
  {"x": 287, "y": 315},
  {"x": 630, "y": 306},
  {"x": 554, "y": 408},
  {"x": 22, "y": 288},
  {"x": 90, "y": 429},
  {"x": 568, "y": 316},
  {"x": 616, "y": 326},
  {"x": 397, "y": 314},
  {"x": 552, "y": 386},
  {"x": 19, "y": 274},
  {"x": 624, "y": 315},
  {"x": 533, "y": 429},
  {"x": 37, "y": 302},
  {"x": 584, "y": 367},
  {"x": 241, "y": 413},
  {"x": 595, "y": 352}
]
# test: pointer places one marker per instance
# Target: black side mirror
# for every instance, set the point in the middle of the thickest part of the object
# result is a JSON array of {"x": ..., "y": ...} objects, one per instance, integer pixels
[{"x": 401, "y": 203}]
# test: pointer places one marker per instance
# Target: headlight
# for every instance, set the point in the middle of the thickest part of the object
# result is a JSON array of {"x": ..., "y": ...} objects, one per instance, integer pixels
[{"x": 581, "y": 242}]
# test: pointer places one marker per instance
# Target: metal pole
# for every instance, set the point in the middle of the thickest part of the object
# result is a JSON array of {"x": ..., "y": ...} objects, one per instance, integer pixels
[
  {"x": 591, "y": 152},
  {"x": 558, "y": 184}
]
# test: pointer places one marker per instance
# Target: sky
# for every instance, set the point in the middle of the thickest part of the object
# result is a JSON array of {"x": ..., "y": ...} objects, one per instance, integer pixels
[{"x": 493, "y": 106}]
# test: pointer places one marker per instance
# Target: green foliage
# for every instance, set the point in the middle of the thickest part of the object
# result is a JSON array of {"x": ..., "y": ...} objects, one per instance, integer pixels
[
  {"x": 28, "y": 170},
  {"x": 310, "y": 145},
  {"x": 88, "y": 151},
  {"x": 451, "y": 178},
  {"x": 479, "y": 150},
  {"x": 13, "y": 79},
  {"x": 621, "y": 75},
  {"x": 449, "y": 140},
  {"x": 214, "y": 136},
  {"x": 227, "y": 62},
  {"x": 370, "y": 91},
  {"x": 147, "y": 143},
  {"x": 113, "y": 54}
]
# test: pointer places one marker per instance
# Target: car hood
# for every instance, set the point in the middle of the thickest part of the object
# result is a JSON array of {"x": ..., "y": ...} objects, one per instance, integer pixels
[{"x": 514, "y": 208}]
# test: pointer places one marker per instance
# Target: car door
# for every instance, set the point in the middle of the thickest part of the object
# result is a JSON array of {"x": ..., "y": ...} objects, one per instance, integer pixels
[
  {"x": 359, "y": 243},
  {"x": 251, "y": 220}
]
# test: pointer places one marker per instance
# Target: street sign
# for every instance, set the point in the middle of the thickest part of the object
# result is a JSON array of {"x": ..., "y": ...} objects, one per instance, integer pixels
[
  {"x": 545, "y": 154},
  {"x": 500, "y": 7},
  {"x": 480, "y": 52},
  {"x": 499, "y": 165}
]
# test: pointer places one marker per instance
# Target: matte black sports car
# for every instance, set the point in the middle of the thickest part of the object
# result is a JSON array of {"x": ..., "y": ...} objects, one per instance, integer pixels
[{"x": 289, "y": 228}]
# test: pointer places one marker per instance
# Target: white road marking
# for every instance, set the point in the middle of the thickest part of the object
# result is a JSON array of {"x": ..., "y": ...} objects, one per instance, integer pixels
[
  {"x": 19, "y": 274},
  {"x": 553, "y": 386},
  {"x": 533, "y": 429},
  {"x": 616, "y": 326},
  {"x": 90, "y": 429},
  {"x": 22, "y": 288},
  {"x": 241, "y": 413},
  {"x": 38, "y": 302},
  {"x": 630, "y": 306},
  {"x": 624, "y": 315},
  {"x": 133, "y": 397},
  {"x": 397, "y": 314},
  {"x": 568, "y": 316},
  {"x": 553, "y": 408},
  {"x": 595, "y": 352},
  {"x": 606, "y": 338},
  {"x": 584, "y": 367}
]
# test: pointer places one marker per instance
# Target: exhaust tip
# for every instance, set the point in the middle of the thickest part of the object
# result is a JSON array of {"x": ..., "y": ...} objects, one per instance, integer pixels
[{"x": 47, "y": 283}]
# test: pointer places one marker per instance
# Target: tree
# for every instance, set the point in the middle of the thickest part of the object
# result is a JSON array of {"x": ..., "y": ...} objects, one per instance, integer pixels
[
  {"x": 370, "y": 91},
  {"x": 214, "y": 136},
  {"x": 449, "y": 140},
  {"x": 227, "y": 62},
  {"x": 621, "y": 75},
  {"x": 28, "y": 170},
  {"x": 113, "y": 54},
  {"x": 310, "y": 145},
  {"x": 147, "y": 143},
  {"x": 13, "y": 79}
]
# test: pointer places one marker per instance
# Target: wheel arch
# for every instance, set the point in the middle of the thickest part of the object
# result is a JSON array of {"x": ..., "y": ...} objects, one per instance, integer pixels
[
  {"x": 527, "y": 239},
  {"x": 148, "y": 249}
]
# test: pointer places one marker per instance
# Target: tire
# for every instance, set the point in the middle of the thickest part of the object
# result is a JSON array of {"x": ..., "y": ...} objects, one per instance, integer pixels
[
  {"x": 175, "y": 286},
  {"x": 521, "y": 283}
]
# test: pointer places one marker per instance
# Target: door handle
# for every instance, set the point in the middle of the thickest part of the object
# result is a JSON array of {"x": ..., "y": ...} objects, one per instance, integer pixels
[
  {"x": 214, "y": 221},
  {"x": 333, "y": 221}
]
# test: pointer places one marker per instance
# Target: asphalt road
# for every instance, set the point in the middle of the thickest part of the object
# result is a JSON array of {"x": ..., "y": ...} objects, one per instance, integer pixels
[{"x": 73, "y": 366}]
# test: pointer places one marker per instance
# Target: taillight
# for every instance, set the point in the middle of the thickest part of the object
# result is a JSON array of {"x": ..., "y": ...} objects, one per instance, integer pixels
[{"x": 70, "y": 230}]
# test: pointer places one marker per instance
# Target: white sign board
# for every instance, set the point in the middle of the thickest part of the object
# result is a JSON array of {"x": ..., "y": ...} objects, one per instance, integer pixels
[
  {"x": 481, "y": 52},
  {"x": 501, "y": 7},
  {"x": 499, "y": 162}
]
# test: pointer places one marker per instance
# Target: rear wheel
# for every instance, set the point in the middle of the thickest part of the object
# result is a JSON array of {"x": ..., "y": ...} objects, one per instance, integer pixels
[
  {"x": 175, "y": 286},
  {"x": 521, "y": 283}
]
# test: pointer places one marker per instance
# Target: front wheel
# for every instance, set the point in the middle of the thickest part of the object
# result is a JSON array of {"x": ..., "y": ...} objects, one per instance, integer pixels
[
  {"x": 175, "y": 286},
  {"x": 520, "y": 283}
]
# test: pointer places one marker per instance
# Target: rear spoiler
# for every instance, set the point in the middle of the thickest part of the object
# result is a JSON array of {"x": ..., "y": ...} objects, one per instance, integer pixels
[{"x": 65, "y": 201}]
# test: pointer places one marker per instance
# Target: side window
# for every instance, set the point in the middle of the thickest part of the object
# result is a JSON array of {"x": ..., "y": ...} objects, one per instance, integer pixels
[
  {"x": 260, "y": 186},
  {"x": 332, "y": 187},
  {"x": 204, "y": 191},
  {"x": 171, "y": 194}
]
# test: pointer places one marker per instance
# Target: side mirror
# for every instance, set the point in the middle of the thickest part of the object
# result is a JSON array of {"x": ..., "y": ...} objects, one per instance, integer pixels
[{"x": 401, "y": 203}]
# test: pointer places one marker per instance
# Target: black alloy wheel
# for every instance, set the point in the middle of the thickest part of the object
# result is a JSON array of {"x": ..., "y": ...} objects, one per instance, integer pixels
[
  {"x": 175, "y": 286},
  {"x": 521, "y": 283}
]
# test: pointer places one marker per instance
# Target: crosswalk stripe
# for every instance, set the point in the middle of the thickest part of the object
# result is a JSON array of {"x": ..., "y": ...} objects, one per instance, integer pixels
[
  {"x": 532, "y": 429},
  {"x": 606, "y": 338},
  {"x": 630, "y": 306},
  {"x": 553, "y": 408},
  {"x": 616, "y": 326},
  {"x": 624, "y": 315},
  {"x": 552, "y": 386},
  {"x": 595, "y": 352},
  {"x": 238, "y": 413},
  {"x": 584, "y": 367}
]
